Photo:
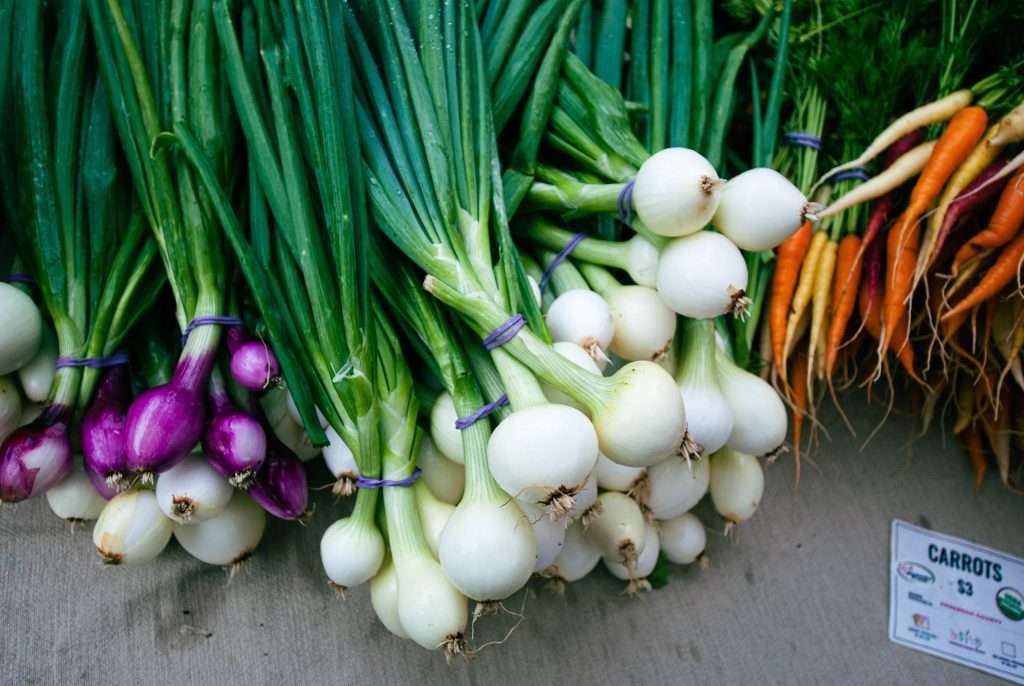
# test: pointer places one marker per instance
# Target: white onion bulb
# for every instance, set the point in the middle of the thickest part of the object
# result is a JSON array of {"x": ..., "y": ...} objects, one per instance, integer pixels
[
  {"x": 543, "y": 454},
  {"x": 384, "y": 598},
  {"x": 578, "y": 557},
  {"x": 759, "y": 415},
  {"x": 446, "y": 479},
  {"x": 759, "y": 209},
  {"x": 612, "y": 476},
  {"x": 434, "y": 515},
  {"x": 488, "y": 548},
  {"x": 74, "y": 499},
  {"x": 644, "y": 325},
  {"x": 675, "y": 486},
  {"x": 351, "y": 551},
  {"x": 192, "y": 491},
  {"x": 676, "y": 192},
  {"x": 228, "y": 538},
  {"x": 619, "y": 530},
  {"x": 642, "y": 261},
  {"x": 683, "y": 538},
  {"x": 737, "y": 484},
  {"x": 586, "y": 499},
  {"x": 645, "y": 561},
  {"x": 341, "y": 462},
  {"x": 430, "y": 609},
  {"x": 446, "y": 437},
  {"x": 549, "y": 535},
  {"x": 21, "y": 328},
  {"x": 36, "y": 376},
  {"x": 275, "y": 404},
  {"x": 131, "y": 529},
  {"x": 581, "y": 316},
  {"x": 10, "y": 406},
  {"x": 702, "y": 276}
]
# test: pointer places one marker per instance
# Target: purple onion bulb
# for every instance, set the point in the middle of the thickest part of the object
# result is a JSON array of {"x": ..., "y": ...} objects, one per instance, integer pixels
[
  {"x": 254, "y": 365},
  {"x": 99, "y": 482},
  {"x": 102, "y": 431},
  {"x": 235, "y": 446},
  {"x": 32, "y": 459},
  {"x": 280, "y": 485},
  {"x": 163, "y": 425}
]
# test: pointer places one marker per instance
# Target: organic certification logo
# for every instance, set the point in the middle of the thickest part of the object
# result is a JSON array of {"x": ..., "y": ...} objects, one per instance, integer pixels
[{"x": 1010, "y": 602}]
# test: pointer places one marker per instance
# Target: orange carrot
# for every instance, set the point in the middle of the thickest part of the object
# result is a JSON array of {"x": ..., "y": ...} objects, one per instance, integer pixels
[
  {"x": 1000, "y": 274},
  {"x": 972, "y": 441},
  {"x": 844, "y": 296},
  {"x": 956, "y": 143},
  {"x": 788, "y": 258},
  {"x": 1002, "y": 227},
  {"x": 905, "y": 351},
  {"x": 799, "y": 382}
]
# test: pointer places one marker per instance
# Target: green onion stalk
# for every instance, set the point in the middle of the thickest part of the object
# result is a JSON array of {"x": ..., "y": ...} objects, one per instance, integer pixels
[
  {"x": 74, "y": 223},
  {"x": 436, "y": 193},
  {"x": 160, "y": 67}
]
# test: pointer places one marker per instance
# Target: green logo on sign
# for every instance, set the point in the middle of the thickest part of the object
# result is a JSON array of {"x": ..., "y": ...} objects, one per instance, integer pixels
[{"x": 1011, "y": 603}]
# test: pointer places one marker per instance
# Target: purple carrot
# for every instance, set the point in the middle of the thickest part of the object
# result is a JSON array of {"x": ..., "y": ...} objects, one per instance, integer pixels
[{"x": 969, "y": 200}]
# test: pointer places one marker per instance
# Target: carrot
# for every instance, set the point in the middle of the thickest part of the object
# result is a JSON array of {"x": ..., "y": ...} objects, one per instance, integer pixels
[
  {"x": 905, "y": 168},
  {"x": 870, "y": 301},
  {"x": 972, "y": 441},
  {"x": 905, "y": 351},
  {"x": 978, "y": 162},
  {"x": 799, "y": 382},
  {"x": 1004, "y": 224},
  {"x": 804, "y": 289},
  {"x": 964, "y": 130},
  {"x": 931, "y": 113},
  {"x": 1000, "y": 274},
  {"x": 1011, "y": 127},
  {"x": 788, "y": 257},
  {"x": 844, "y": 296},
  {"x": 821, "y": 299},
  {"x": 976, "y": 195}
]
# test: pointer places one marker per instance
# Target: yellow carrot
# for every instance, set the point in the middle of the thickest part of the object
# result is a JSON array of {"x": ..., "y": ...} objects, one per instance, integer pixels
[
  {"x": 822, "y": 299},
  {"x": 804, "y": 290}
]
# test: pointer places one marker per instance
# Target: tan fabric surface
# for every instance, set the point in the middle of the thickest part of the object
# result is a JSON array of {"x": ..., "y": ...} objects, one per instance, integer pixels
[{"x": 800, "y": 596}]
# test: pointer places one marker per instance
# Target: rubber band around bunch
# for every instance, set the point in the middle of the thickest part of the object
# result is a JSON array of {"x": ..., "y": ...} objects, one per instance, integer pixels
[
  {"x": 504, "y": 333},
  {"x": 857, "y": 174},
  {"x": 802, "y": 139},
  {"x": 114, "y": 360},
  {"x": 18, "y": 277},
  {"x": 463, "y": 423},
  {"x": 363, "y": 482},
  {"x": 625, "y": 203},
  {"x": 559, "y": 259},
  {"x": 207, "y": 320}
]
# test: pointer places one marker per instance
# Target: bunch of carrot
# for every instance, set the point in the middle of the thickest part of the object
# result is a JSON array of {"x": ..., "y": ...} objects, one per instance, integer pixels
[{"x": 916, "y": 277}]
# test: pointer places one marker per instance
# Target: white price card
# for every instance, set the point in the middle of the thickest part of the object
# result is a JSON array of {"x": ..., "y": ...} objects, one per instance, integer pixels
[{"x": 957, "y": 600}]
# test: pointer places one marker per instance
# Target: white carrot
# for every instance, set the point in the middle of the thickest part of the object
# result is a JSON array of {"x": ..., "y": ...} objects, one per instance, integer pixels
[
  {"x": 1010, "y": 128},
  {"x": 902, "y": 170},
  {"x": 934, "y": 112}
]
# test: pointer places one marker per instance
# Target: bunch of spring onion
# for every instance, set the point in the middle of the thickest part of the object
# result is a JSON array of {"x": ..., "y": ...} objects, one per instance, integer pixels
[
  {"x": 88, "y": 255},
  {"x": 193, "y": 455},
  {"x": 925, "y": 279}
]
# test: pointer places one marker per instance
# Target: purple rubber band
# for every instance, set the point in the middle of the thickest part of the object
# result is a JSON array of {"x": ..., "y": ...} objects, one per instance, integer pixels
[
  {"x": 625, "y": 203},
  {"x": 504, "y": 333},
  {"x": 807, "y": 140},
  {"x": 206, "y": 320},
  {"x": 18, "y": 277},
  {"x": 463, "y": 423},
  {"x": 363, "y": 482},
  {"x": 559, "y": 259},
  {"x": 94, "y": 362},
  {"x": 851, "y": 174}
]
